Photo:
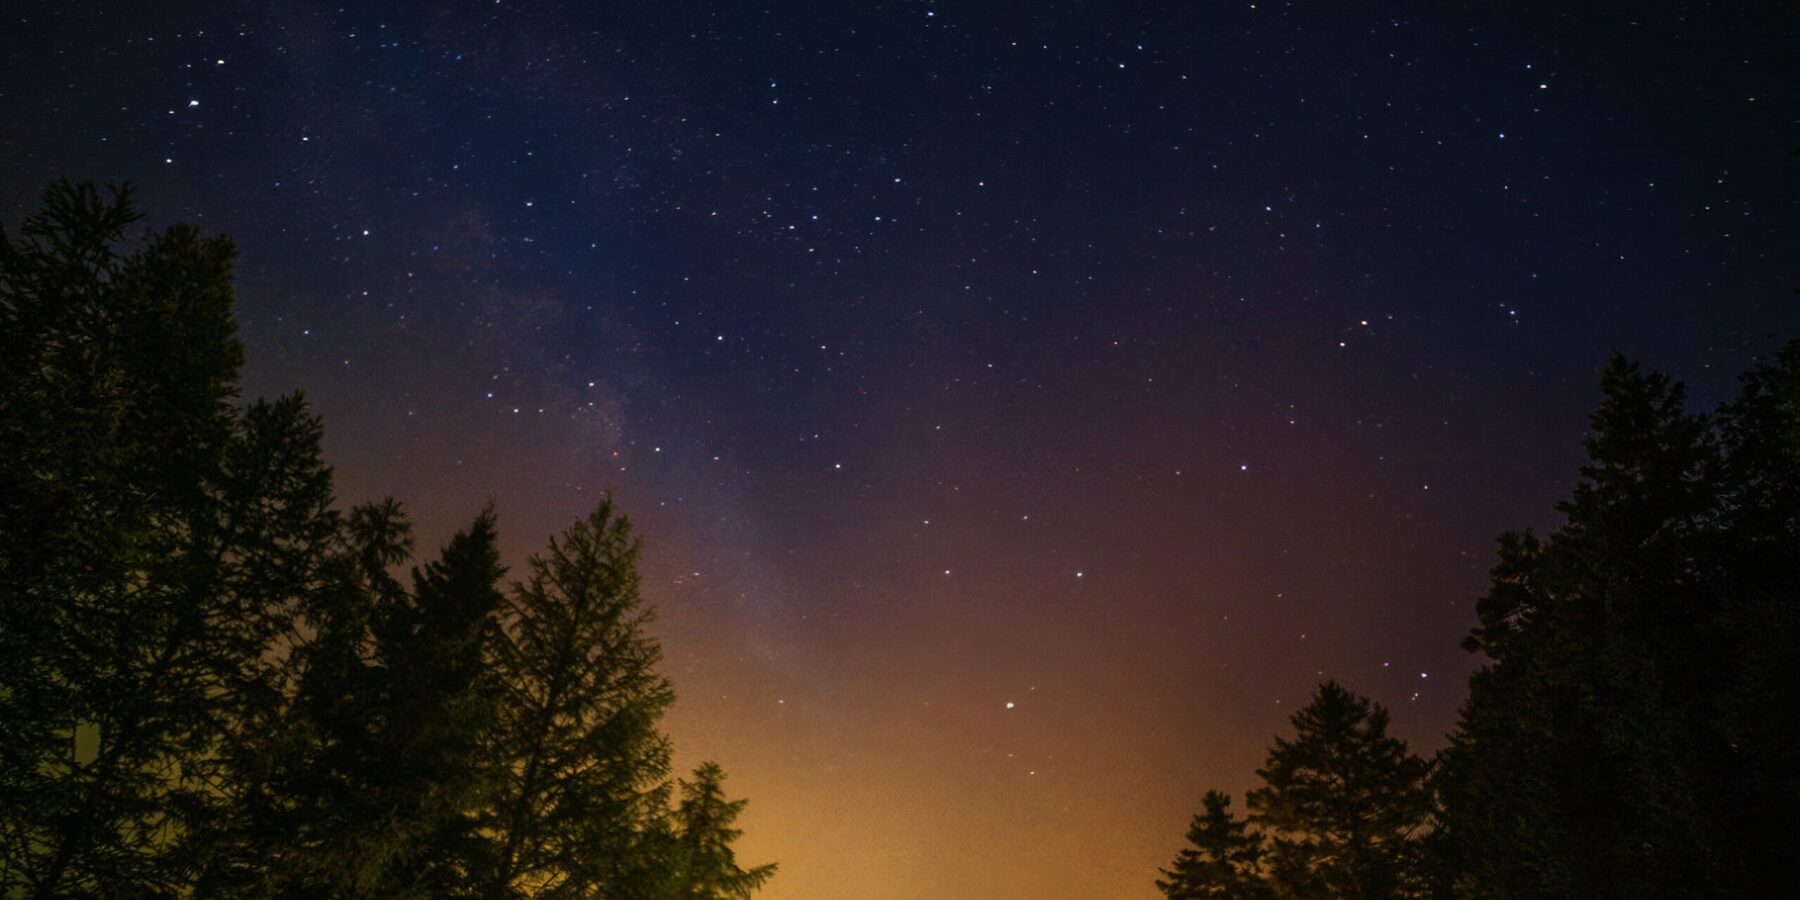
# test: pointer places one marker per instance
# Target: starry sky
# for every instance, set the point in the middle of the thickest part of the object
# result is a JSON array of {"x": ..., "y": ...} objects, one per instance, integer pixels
[{"x": 1025, "y": 405}]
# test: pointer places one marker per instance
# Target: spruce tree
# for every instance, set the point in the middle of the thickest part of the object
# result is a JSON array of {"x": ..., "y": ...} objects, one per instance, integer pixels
[
  {"x": 377, "y": 784},
  {"x": 582, "y": 767},
  {"x": 1340, "y": 814},
  {"x": 1343, "y": 802},
  {"x": 708, "y": 866},
  {"x": 153, "y": 543},
  {"x": 441, "y": 699},
  {"x": 1586, "y": 759},
  {"x": 213, "y": 684},
  {"x": 1223, "y": 859},
  {"x": 321, "y": 830},
  {"x": 1755, "y": 739}
]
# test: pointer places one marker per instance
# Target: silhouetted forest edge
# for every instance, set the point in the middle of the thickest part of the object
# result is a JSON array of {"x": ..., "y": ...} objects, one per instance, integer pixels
[
  {"x": 215, "y": 682},
  {"x": 1632, "y": 731},
  {"x": 218, "y": 681}
]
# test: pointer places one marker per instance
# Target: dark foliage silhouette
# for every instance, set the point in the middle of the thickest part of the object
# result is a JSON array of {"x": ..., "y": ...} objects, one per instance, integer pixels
[
  {"x": 1629, "y": 734},
  {"x": 1338, "y": 815},
  {"x": 1631, "y": 731},
  {"x": 213, "y": 682}
]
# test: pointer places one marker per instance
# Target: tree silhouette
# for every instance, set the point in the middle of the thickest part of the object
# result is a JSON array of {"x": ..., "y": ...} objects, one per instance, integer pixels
[
  {"x": 316, "y": 824},
  {"x": 442, "y": 701},
  {"x": 1339, "y": 814},
  {"x": 1756, "y": 744},
  {"x": 1627, "y": 735},
  {"x": 1223, "y": 859},
  {"x": 1342, "y": 801},
  {"x": 153, "y": 543},
  {"x": 709, "y": 869},
  {"x": 377, "y": 788},
  {"x": 582, "y": 767},
  {"x": 212, "y": 683}
]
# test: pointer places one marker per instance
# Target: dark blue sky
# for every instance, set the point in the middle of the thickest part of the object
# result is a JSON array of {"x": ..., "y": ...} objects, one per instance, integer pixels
[{"x": 1136, "y": 364}]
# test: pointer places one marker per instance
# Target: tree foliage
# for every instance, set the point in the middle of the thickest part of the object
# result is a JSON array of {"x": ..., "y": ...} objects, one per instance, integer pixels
[
  {"x": 1224, "y": 858},
  {"x": 213, "y": 682},
  {"x": 152, "y": 540},
  {"x": 1624, "y": 736},
  {"x": 583, "y": 768},
  {"x": 1343, "y": 801},
  {"x": 1630, "y": 733},
  {"x": 1339, "y": 813},
  {"x": 708, "y": 866}
]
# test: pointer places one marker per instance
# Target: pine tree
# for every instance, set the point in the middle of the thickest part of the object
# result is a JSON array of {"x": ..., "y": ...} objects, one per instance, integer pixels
[
  {"x": 1223, "y": 859},
  {"x": 153, "y": 542},
  {"x": 582, "y": 765},
  {"x": 280, "y": 495},
  {"x": 377, "y": 787},
  {"x": 1580, "y": 763},
  {"x": 1755, "y": 737},
  {"x": 709, "y": 869},
  {"x": 1630, "y": 733},
  {"x": 442, "y": 703},
  {"x": 1343, "y": 801},
  {"x": 213, "y": 684},
  {"x": 329, "y": 835},
  {"x": 1340, "y": 814}
]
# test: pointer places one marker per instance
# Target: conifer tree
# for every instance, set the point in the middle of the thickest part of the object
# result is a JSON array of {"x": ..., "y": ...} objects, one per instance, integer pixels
[
  {"x": 441, "y": 698},
  {"x": 1580, "y": 765},
  {"x": 308, "y": 825},
  {"x": 213, "y": 684},
  {"x": 1340, "y": 814},
  {"x": 1223, "y": 859},
  {"x": 289, "y": 535},
  {"x": 582, "y": 766},
  {"x": 378, "y": 788},
  {"x": 1343, "y": 802},
  {"x": 1755, "y": 738},
  {"x": 153, "y": 541},
  {"x": 709, "y": 869}
]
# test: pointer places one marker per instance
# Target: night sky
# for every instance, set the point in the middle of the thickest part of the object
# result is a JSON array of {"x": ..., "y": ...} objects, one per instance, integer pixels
[{"x": 1025, "y": 405}]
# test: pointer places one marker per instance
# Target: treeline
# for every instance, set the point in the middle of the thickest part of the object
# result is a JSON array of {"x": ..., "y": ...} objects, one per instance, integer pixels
[
  {"x": 214, "y": 682},
  {"x": 1633, "y": 732}
]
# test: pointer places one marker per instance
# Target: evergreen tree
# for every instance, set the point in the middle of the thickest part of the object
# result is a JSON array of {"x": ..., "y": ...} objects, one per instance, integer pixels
[
  {"x": 581, "y": 763},
  {"x": 302, "y": 557},
  {"x": 709, "y": 869},
  {"x": 310, "y": 824},
  {"x": 1343, "y": 801},
  {"x": 153, "y": 542},
  {"x": 1629, "y": 734},
  {"x": 1757, "y": 741},
  {"x": 213, "y": 684},
  {"x": 1340, "y": 814},
  {"x": 442, "y": 700},
  {"x": 1578, "y": 766},
  {"x": 1223, "y": 859},
  {"x": 378, "y": 788}
]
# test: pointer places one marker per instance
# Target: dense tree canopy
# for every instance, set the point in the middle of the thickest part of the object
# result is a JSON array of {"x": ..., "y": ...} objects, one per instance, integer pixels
[
  {"x": 1631, "y": 733},
  {"x": 1338, "y": 814},
  {"x": 215, "y": 682}
]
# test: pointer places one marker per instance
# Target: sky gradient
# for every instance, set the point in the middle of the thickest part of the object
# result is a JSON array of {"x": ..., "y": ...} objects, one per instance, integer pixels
[{"x": 1024, "y": 406}]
